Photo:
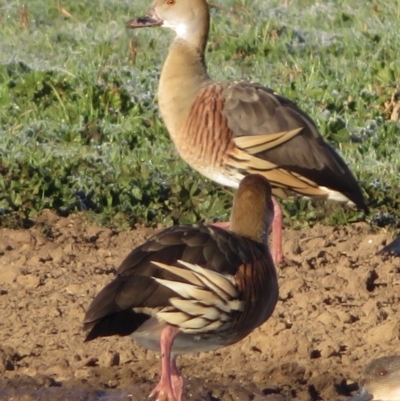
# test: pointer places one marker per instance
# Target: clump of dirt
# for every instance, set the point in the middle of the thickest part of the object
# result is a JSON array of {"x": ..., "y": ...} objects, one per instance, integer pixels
[{"x": 338, "y": 309}]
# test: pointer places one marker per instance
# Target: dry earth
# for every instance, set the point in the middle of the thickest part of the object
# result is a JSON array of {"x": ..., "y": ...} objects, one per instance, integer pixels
[{"x": 338, "y": 309}]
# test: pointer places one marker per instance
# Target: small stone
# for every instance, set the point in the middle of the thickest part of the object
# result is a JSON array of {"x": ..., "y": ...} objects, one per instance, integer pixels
[
  {"x": 29, "y": 371},
  {"x": 8, "y": 273},
  {"x": 385, "y": 332},
  {"x": 290, "y": 287},
  {"x": 91, "y": 361},
  {"x": 328, "y": 318},
  {"x": 5, "y": 362},
  {"x": 76, "y": 289},
  {"x": 28, "y": 281},
  {"x": 109, "y": 358},
  {"x": 58, "y": 370},
  {"x": 327, "y": 348},
  {"x": 82, "y": 373},
  {"x": 126, "y": 356}
]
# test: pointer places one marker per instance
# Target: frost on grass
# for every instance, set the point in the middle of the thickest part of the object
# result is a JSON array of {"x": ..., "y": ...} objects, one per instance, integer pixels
[{"x": 80, "y": 126}]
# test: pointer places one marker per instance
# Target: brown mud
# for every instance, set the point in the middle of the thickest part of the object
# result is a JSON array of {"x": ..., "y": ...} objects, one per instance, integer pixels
[{"x": 339, "y": 308}]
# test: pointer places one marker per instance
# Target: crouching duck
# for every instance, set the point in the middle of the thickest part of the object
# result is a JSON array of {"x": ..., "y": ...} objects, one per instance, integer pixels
[
  {"x": 226, "y": 130},
  {"x": 193, "y": 288},
  {"x": 381, "y": 380}
]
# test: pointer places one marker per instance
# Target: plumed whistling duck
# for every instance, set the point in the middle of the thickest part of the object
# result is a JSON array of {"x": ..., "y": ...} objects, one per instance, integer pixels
[
  {"x": 194, "y": 287},
  {"x": 227, "y": 130}
]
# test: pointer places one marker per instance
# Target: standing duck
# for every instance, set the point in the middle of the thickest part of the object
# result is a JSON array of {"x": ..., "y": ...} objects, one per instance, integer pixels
[
  {"x": 381, "y": 380},
  {"x": 193, "y": 288},
  {"x": 226, "y": 130}
]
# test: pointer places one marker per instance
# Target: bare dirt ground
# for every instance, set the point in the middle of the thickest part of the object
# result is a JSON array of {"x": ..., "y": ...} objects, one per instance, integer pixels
[{"x": 338, "y": 309}]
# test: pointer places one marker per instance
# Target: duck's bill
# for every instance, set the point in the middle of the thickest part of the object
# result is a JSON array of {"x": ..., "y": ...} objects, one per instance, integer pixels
[
  {"x": 362, "y": 395},
  {"x": 151, "y": 19}
]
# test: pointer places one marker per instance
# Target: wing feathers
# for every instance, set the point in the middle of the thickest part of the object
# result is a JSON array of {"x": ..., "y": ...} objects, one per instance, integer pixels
[
  {"x": 196, "y": 309},
  {"x": 188, "y": 291},
  {"x": 185, "y": 274},
  {"x": 279, "y": 177},
  {"x": 274, "y": 129},
  {"x": 204, "y": 302},
  {"x": 225, "y": 282},
  {"x": 260, "y": 143}
]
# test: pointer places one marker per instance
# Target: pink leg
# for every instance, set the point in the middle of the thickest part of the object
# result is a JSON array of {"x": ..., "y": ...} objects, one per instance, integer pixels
[
  {"x": 177, "y": 380},
  {"x": 164, "y": 390},
  {"x": 277, "y": 253}
]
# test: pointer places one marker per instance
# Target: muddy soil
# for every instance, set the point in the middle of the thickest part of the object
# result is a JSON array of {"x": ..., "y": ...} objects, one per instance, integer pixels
[{"x": 338, "y": 309}]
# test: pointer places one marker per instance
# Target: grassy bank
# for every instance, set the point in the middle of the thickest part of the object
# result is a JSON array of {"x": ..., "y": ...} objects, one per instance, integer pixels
[{"x": 80, "y": 128}]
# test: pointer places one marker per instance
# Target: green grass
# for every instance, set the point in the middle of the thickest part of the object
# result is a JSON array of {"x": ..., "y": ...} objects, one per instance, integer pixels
[{"x": 79, "y": 123}]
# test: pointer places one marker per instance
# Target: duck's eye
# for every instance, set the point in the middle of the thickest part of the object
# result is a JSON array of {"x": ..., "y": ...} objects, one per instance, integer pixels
[
  {"x": 383, "y": 373},
  {"x": 170, "y": 2}
]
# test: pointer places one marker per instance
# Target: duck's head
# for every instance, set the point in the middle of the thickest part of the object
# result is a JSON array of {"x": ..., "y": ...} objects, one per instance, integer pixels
[
  {"x": 186, "y": 17},
  {"x": 381, "y": 380}
]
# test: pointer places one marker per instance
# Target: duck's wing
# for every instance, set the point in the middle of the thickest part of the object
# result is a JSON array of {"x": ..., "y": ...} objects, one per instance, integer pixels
[
  {"x": 176, "y": 274},
  {"x": 274, "y": 129},
  {"x": 242, "y": 128}
]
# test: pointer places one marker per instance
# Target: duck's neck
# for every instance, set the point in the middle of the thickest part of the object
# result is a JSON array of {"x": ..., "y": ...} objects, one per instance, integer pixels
[
  {"x": 249, "y": 218},
  {"x": 247, "y": 225},
  {"x": 184, "y": 74}
]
